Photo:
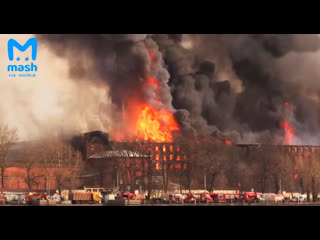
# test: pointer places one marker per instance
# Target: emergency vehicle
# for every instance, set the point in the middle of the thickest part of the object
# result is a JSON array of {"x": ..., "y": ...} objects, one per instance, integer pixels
[
  {"x": 204, "y": 198},
  {"x": 2, "y": 198},
  {"x": 130, "y": 196},
  {"x": 226, "y": 197},
  {"x": 250, "y": 196},
  {"x": 40, "y": 196}
]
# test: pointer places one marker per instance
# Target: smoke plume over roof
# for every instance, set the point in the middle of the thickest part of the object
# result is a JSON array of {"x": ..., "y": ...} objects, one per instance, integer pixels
[{"x": 240, "y": 86}]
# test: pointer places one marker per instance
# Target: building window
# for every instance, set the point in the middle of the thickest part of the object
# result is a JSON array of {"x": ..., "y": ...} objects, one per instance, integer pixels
[
  {"x": 178, "y": 149},
  {"x": 164, "y": 148},
  {"x": 178, "y": 158},
  {"x": 171, "y": 148},
  {"x": 157, "y": 166},
  {"x": 185, "y": 166},
  {"x": 157, "y": 148},
  {"x": 171, "y": 157},
  {"x": 157, "y": 157},
  {"x": 185, "y": 157},
  {"x": 164, "y": 158}
]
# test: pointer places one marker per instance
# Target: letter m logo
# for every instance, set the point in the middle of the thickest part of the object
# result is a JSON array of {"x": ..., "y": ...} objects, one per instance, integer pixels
[{"x": 31, "y": 42}]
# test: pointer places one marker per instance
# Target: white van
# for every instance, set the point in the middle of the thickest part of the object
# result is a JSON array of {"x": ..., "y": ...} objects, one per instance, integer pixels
[{"x": 300, "y": 198}]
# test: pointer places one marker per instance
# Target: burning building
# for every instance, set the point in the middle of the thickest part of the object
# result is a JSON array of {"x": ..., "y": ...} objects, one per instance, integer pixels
[
  {"x": 130, "y": 165},
  {"x": 246, "y": 88}
]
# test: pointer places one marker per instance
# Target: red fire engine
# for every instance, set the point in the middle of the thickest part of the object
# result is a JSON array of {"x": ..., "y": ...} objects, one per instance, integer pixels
[
  {"x": 205, "y": 197},
  {"x": 234, "y": 197},
  {"x": 226, "y": 197},
  {"x": 130, "y": 196},
  {"x": 190, "y": 198},
  {"x": 2, "y": 198},
  {"x": 41, "y": 196},
  {"x": 249, "y": 196}
]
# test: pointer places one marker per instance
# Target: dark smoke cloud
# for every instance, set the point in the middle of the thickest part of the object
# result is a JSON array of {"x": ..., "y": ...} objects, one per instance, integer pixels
[
  {"x": 121, "y": 63},
  {"x": 114, "y": 59},
  {"x": 260, "y": 62},
  {"x": 232, "y": 85}
]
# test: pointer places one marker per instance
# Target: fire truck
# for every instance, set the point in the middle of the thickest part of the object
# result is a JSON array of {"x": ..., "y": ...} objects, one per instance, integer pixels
[
  {"x": 226, "y": 197},
  {"x": 250, "y": 196},
  {"x": 40, "y": 196},
  {"x": 191, "y": 198},
  {"x": 235, "y": 197},
  {"x": 205, "y": 198},
  {"x": 2, "y": 198},
  {"x": 130, "y": 196}
]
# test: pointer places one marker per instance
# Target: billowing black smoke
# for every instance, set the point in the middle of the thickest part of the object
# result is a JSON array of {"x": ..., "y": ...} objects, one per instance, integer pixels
[
  {"x": 109, "y": 58},
  {"x": 261, "y": 63},
  {"x": 233, "y": 85}
]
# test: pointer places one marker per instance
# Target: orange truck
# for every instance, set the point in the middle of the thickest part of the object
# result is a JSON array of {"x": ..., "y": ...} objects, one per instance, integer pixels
[{"x": 85, "y": 197}]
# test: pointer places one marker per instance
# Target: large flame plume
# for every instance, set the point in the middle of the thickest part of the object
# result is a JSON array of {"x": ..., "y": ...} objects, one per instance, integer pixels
[
  {"x": 152, "y": 124},
  {"x": 286, "y": 126},
  {"x": 145, "y": 116}
]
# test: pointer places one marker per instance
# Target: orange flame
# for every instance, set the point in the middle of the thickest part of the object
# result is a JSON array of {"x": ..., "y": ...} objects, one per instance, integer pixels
[
  {"x": 152, "y": 124},
  {"x": 156, "y": 125},
  {"x": 150, "y": 121},
  {"x": 285, "y": 125},
  {"x": 228, "y": 142},
  {"x": 164, "y": 148}
]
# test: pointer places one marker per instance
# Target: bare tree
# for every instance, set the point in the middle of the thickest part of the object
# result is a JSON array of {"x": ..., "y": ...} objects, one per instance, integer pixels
[
  {"x": 46, "y": 157},
  {"x": 66, "y": 162},
  {"x": 30, "y": 161},
  {"x": 315, "y": 172},
  {"x": 211, "y": 157},
  {"x": 311, "y": 170},
  {"x": 8, "y": 136},
  {"x": 128, "y": 165}
]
